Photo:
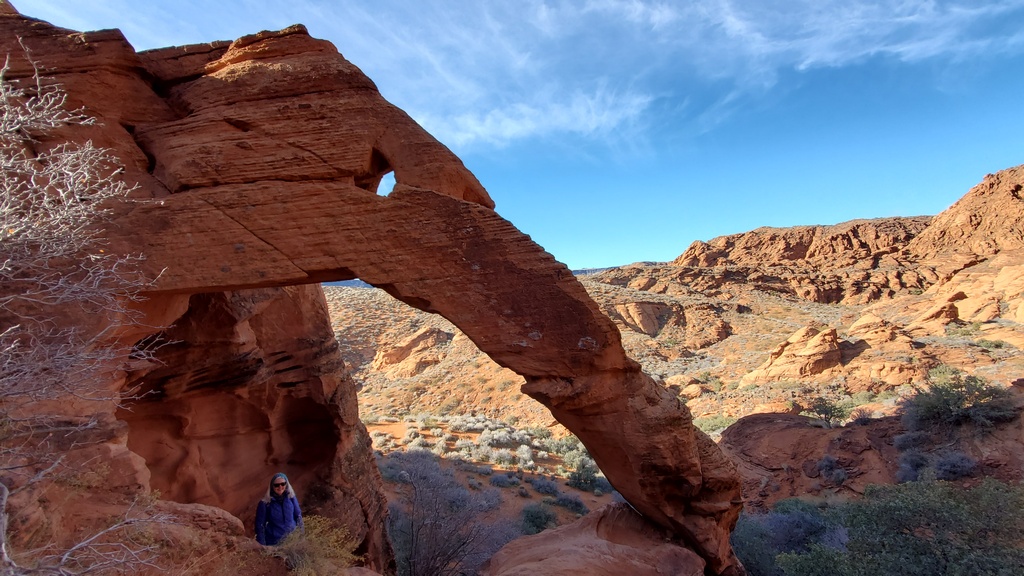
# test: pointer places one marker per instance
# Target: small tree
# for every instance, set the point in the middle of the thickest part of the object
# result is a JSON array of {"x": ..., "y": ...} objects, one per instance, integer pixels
[
  {"x": 53, "y": 265},
  {"x": 440, "y": 528},
  {"x": 827, "y": 410},
  {"x": 954, "y": 399}
]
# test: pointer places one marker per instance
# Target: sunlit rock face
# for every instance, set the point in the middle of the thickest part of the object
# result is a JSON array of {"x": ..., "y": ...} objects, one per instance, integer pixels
[{"x": 257, "y": 163}]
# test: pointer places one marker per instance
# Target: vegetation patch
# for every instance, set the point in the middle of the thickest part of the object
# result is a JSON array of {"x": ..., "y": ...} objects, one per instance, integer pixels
[
  {"x": 955, "y": 399},
  {"x": 913, "y": 529}
]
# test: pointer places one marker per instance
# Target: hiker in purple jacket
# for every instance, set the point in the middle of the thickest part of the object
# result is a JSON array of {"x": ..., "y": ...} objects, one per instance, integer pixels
[{"x": 277, "y": 513}]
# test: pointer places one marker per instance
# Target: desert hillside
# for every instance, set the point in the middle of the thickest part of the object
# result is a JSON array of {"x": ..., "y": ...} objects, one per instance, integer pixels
[{"x": 764, "y": 321}]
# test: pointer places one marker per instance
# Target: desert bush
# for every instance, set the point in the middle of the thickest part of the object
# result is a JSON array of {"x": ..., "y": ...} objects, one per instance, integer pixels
[
  {"x": 524, "y": 455},
  {"x": 503, "y": 457},
  {"x": 954, "y": 399},
  {"x": 831, "y": 470},
  {"x": 464, "y": 423},
  {"x": 538, "y": 432},
  {"x": 495, "y": 438},
  {"x": 572, "y": 503},
  {"x": 439, "y": 528},
  {"x": 922, "y": 529},
  {"x": 713, "y": 383},
  {"x": 578, "y": 460},
  {"x": 564, "y": 445},
  {"x": 752, "y": 543},
  {"x": 991, "y": 344},
  {"x": 449, "y": 406},
  {"x": 862, "y": 397},
  {"x": 860, "y": 416},
  {"x": 481, "y": 453},
  {"x": 827, "y": 410},
  {"x": 543, "y": 486},
  {"x": 537, "y": 517},
  {"x": 503, "y": 481},
  {"x": 962, "y": 329},
  {"x": 793, "y": 526},
  {"x": 909, "y": 440},
  {"x": 322, "y": 547},
  {"x": 954, "y": 466},
  {"x": 713, "y": 424},
  {"x": 910, "y": 465},
  {"x": 419, "y": 443},
  {"x": 440, "y": 449},
  {"x": 907, "y": 474},
  {"x": 583, "y": 479},
  {"x": 913, "y": 459}
]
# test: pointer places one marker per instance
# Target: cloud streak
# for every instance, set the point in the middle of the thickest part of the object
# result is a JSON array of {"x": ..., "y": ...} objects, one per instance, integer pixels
[
  {"x": 483, "y": 74},
  {"x": 499, "y": 74}
]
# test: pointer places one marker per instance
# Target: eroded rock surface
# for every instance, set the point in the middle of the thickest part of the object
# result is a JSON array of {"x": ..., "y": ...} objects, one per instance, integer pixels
[
  {"x": 612, "y": 541},
  {"x": 260, "y": 160}
]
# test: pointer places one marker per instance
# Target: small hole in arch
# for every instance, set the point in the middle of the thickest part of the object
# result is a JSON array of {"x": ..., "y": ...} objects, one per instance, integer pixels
[{"x": 387, "y": 184}]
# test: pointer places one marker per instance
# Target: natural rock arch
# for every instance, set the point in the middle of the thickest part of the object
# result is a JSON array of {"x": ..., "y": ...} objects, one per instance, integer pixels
[{"x": 258, "y": 161}]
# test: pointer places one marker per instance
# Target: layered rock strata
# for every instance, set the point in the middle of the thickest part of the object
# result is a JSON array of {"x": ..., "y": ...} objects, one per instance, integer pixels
[{"x": 257, "y": 163}]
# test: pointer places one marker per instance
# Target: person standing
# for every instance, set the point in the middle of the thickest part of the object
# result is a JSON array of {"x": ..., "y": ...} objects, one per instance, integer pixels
[{"x": 277, "y": 513}]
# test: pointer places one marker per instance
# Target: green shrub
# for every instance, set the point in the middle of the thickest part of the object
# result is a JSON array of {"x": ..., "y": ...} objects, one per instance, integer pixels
[
  {"x": 503, "y": 481},
  {"x": 955, "y": 399},
  {"x": 962, "y": 329},
  {"x": 991, "y": 344},
  {"x": 922, "y": 529},
  {"x": 713, "y": 383},
  {"x": 793, "y": 526},
  {"x": 537, "y": 517},
  {"x": 827, "y": 410},
  {"x": 583, "y": 479},
  {"x": 713, "y": 424},
  {"x": 572, "y": 503},
  {"x": 863, "y": 397},
  {"x": 544, "y": 486},
  {"x": 909, "y": 440}
]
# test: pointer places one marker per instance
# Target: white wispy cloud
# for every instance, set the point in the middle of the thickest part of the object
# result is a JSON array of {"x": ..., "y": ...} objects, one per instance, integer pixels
[
  {"x": 503, "y": 74},
  {"x": 488, "y": 73}
]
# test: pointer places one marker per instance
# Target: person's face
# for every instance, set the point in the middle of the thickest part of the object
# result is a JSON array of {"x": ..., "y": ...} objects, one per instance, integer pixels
[{"x": 279, "y": 486}]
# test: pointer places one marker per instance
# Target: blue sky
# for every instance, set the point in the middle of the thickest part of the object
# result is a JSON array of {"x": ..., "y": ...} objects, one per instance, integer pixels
[{"x": 615, "y": 131}]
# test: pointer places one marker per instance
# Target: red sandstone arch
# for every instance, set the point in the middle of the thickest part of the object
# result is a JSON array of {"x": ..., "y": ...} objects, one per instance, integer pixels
[{"x": 263, "y": 155}]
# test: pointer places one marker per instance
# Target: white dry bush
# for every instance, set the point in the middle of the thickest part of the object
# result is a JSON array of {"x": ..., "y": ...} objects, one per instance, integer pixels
[{"x": 53, "y": 265}]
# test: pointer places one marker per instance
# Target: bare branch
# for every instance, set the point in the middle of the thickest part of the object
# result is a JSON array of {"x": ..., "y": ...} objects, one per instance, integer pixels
[{"x": 54, "y": 265}]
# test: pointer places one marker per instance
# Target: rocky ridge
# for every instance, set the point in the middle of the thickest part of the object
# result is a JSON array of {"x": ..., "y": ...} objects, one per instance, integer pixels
[{"x": 766, "y": 321}]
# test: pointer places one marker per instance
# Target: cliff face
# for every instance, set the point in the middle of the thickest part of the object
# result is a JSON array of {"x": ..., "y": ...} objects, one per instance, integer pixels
[{"x": 257, "y": 163}]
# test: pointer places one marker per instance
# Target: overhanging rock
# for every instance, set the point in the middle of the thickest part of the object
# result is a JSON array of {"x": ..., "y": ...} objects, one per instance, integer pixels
[{"x": 258, "y": 163}]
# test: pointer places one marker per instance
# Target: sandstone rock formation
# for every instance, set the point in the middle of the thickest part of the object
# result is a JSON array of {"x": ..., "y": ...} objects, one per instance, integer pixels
[
  {"x": 781, "y": 456},
  {"x": 612, "y": 541},
  {"x": 257, "y": 163},
  {"x": 811, "y": 351},
  {"x": 413, "y": 354},
  {"x": 778, "y": 456}
]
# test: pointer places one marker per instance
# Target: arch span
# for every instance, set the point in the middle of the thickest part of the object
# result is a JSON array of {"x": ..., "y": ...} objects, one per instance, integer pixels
[{"x": 256, "y": 162}]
